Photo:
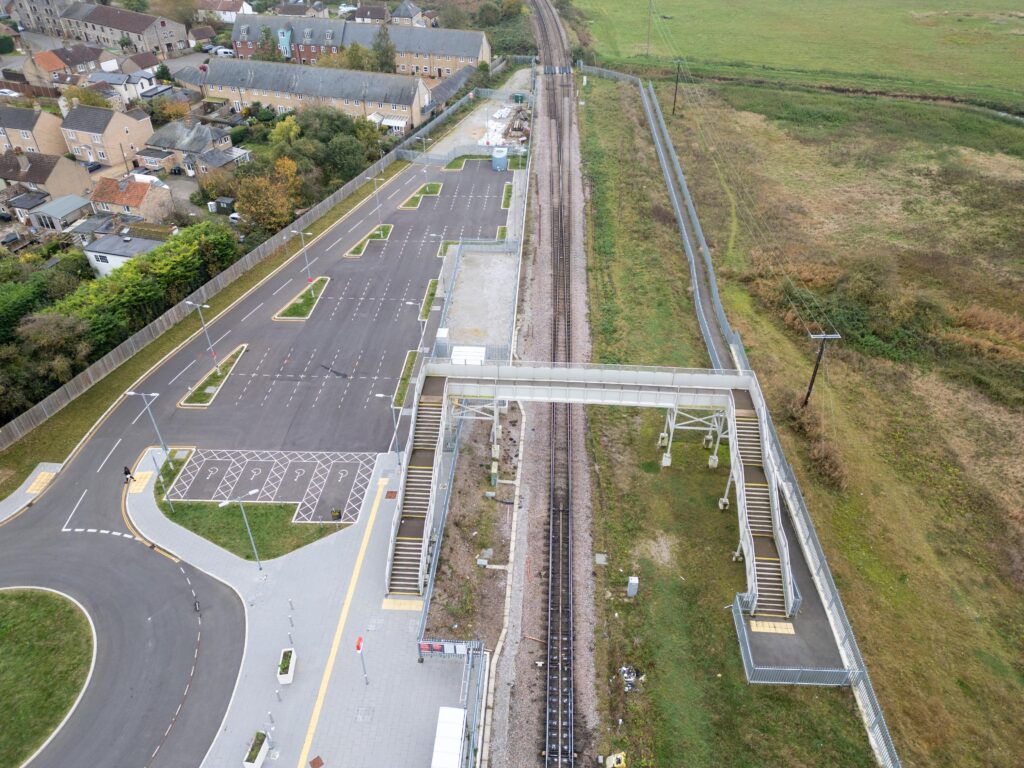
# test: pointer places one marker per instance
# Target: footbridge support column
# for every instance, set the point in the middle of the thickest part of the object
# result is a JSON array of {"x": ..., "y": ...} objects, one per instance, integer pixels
[{"x": 713, "y": 423}]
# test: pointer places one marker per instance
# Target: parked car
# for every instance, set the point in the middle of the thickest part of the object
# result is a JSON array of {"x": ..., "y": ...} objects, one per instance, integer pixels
[
  {"x": 207, "y": 47},
  {"x": 234, "y": 217},
  {"x": 5, "y": 216},
  {"x": 226, "y": 53},
  {"x": 9, "y": 92}
]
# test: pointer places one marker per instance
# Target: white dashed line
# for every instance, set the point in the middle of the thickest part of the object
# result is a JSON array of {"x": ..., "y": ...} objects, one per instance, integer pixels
[
  {"x": 251, "y": 311},
  {"x": 281, "y": 287},
  {"x": 181, "y": 372}
]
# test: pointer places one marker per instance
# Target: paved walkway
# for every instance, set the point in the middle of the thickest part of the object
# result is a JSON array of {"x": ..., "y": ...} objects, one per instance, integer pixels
[
  {"x": 34, "y": 484},
  {"x": 318, "y": 600}
]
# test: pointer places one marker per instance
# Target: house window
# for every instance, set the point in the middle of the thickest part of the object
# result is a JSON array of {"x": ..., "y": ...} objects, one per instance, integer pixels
[
  {"x": 127, "y": 208},
  {"x": 104, "y": 207},
  {"x": 97, "y": 139},
  {"x": 25, "y": 134},
  {"x": 250, "y": 43},
  {"x": 76, "y": 150},
  {"x": 30, "y": 149},
  {"x": 203, "y": 169},
  {"x": 329, "y": 36},
  {"x": 394, "y": 107},
  {"x": 281, "y": 109},
  {"x": 100, "y": 258},
  {"x": 447, "y": 70},
  {"x": 302, "y": 47},
  {"x": 312, "y": 61},
  {"x": 334, "y": 49},
  {"x": 405, "y": 108},
  {"x": 102, "y": 154},
  {"x": 402, "y": 67}
]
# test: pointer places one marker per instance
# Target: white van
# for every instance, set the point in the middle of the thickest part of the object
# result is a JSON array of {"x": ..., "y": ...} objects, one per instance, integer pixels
[{"x": 227, "y": 53}]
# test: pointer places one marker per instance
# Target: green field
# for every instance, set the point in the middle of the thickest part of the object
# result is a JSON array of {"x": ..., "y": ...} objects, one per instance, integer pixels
[
  {"x": 962, "y": 49},
  {"x": 45, "y": 652}
]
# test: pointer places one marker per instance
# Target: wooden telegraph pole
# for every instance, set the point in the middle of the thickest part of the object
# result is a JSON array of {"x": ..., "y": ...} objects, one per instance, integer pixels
[
  {"x": 824, "y": 338},
  {"x": 675, "y": 93}
]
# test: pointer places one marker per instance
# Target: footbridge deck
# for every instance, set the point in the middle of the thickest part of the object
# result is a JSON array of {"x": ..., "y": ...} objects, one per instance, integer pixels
[{"x": 724, "y": 404}]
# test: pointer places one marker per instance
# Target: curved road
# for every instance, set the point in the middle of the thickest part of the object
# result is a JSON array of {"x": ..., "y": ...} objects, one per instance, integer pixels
[{"x": 164, "y": 673}]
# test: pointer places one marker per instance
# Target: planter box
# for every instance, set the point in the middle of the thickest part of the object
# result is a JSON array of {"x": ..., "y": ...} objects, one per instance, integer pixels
[
  {"x": 285, "y": 678},
  {"x": 261, "y": 755}
]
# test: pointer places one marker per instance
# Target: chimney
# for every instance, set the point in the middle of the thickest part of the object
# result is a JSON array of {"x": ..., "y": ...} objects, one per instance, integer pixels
[
  {"x": 23, "y": 162},
  {"x": 75, "y": 102}
]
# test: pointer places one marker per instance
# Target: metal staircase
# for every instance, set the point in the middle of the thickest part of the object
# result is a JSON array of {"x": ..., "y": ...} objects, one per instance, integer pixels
[
  {"x": 772, "y": 570},
  {"x": 405, "y": 576}
]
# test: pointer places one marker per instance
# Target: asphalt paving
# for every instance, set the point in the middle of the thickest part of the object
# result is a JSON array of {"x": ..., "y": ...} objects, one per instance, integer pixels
[{"x": 165, "y": 671}]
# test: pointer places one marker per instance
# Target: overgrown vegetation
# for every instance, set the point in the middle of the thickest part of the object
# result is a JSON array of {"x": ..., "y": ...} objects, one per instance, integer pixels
[
  {"x": 402, "y": 389},
  {"x": 45, "y": 652},
  {"x": 664, "y": 524},
  {"x": 507, "y": 23},
  {"x": 428, "y": 299}
]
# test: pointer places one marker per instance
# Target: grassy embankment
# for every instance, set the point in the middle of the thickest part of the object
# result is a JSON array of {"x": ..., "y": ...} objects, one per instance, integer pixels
[
  {"x": 921, "y": 47},
  {"x": 695, "y": 705},
  {"x": 272, "y": 529},
  {"x": 55, "y": 439},
  {"x": 45, "y": 652},
  {"x": 903, "y": 220}
]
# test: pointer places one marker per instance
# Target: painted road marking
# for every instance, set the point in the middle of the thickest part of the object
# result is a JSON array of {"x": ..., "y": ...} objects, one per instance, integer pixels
[
  {"x": 108, "y": 455},
  {"x": 74, "y": 509},
  {"x": 42, "y": 480},
  {"x": 251, "y": 311},
  {"x": 398, "y": 604},
  {"x": 774, "y": 627},
  {"x": 138, "y": 485},
  {"x": 281, "y": 287},
  {"x": 181, "y": 372},
  {"x": 336, "y": 642}
]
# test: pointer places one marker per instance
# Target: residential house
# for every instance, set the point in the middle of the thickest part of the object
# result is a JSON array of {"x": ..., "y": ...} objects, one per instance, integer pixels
[
  {"x": 432, "y": 18},
  {"x": 201, "y": 35},
  {"x": 407, "y": 15},
  {"x": 196, "y": 147},
  {"x": 117, "y": 28},
  {"x": 31, "y": 130},
  {"x": 138, "y": 62},
  {"x": 436, "y": 53},
  {"x": 371, "y": 14},
  {"x": 8, "y": 193},
  {"x": 315, "y": 11},
  {"x": 54, "y": 175},
  {"x": 221, "y": 10},
  {"x": 60, "y": 213},
  {"x": 144, "y": 196},
  {"x": 106, "y": 136},
  {"x": 24, "y": 204},
  {"x": 109, "y": 252},
  {"x": 46, "y": 67},
  {"x": 128, "y": 86},
  {"x": 41, "y": 15},
  {"x": 394, "y": 101}
]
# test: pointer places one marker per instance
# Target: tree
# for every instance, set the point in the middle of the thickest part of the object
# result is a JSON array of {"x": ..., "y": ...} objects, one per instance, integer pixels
[
  {"x": 267, "y": 49},
  {"x": 286, "y": 131},
  {"x": 86, "y": 97},
  {"x": 164, "y": 73},
  {"x": 182, "y": 11},
  {"x": 453, "y": 17},
  {"x": 125, "y": 42},
  {"x": 370, "y": 136},
  {"x": 511, "y": 8},
  {"x": 167, "y": 110},
  {"x": 139, "y": 6},
  {"x": 267, "y": 202},
  {"x": 357, "y": 57},
  {"x": 488, "y": 15},
  {"x": 56, "y": 344},
  {"x": 337, "y": 60},
  {"x": 345, "y": 158},
  {"x": 383, "y": 51}
]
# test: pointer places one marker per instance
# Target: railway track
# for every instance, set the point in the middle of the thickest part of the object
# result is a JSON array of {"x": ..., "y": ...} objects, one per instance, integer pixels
[{"x": 557, "y": 83}]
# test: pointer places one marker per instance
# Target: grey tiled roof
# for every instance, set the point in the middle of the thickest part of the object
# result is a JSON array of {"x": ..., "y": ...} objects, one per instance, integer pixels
[
  {"x": 88, "y": 119},
  {"x": 370, "y": 12},
  {"x": 77, "y": 54},
  {"x": 405, "y": 10},
  {"x": 440, "y": 42},
  {"x": 308, "y": 81},
  {"x": 186, "y": 138},
  {"x": 17, "y": 119},
  {"x": 115, "y": 245},
  {"x": 39, "y": 169},
  {"x": 110, "y": 17}
]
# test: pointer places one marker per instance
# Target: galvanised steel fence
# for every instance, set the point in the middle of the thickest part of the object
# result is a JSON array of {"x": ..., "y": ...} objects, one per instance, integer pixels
[
  {"x": 21, "y": 425},
  {"x": 856, "y": 670}
]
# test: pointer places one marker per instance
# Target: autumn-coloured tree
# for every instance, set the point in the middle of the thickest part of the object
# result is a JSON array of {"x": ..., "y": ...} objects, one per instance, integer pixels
[{"x": 267, "y": 202}]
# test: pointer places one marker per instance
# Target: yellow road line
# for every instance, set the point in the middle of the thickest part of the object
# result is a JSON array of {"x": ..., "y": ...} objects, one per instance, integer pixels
[{"x": 336, "y": 642}]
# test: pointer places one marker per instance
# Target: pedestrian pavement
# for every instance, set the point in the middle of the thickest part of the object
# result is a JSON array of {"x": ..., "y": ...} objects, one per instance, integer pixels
[
  {"x": 319, "y": 600},
  {"x": 34, "y": 484}
]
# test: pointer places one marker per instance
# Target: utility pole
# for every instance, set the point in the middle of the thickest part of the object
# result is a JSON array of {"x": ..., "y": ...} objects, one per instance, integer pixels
[
  {"x": 676, "y": 91},
  {"x": 824, "y": 338}
]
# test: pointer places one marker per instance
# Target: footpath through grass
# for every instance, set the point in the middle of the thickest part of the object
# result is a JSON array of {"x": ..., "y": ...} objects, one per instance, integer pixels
[
  {"x": 272, "y": 530},
  {"x": 695, "y": 706},
  {"x": 55, "y": 439},
  {"x": 301, "y": 307},
  {"x": 45, "y": 652}
]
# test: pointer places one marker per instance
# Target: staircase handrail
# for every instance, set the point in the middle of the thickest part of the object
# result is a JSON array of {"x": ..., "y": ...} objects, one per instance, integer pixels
[
  {"x": 746, "y": 538},
  {"x": 435, "y": 474},
  {"x": 789, "y": 589},
  {"x": 402, "y": 474}
]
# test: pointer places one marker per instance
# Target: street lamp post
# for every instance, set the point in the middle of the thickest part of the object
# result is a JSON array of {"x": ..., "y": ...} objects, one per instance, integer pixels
[
  {"x": 245, "y": 519},
  {"x": 309, "y": 277},
  {"x": 202, "y": 322},
  {"x": 376, "y": 194},
  {"x": 147, "y": 398}
]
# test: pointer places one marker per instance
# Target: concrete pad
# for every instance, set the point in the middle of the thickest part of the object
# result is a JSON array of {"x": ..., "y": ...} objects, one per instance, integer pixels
[{"x": 482, "y": 305}]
